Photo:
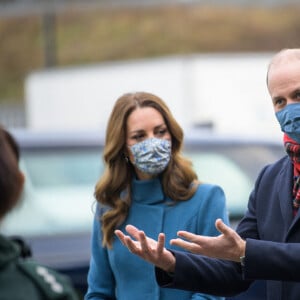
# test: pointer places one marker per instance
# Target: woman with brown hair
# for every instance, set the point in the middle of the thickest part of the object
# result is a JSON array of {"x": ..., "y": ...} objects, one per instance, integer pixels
[{"x": 147, "y": 182}]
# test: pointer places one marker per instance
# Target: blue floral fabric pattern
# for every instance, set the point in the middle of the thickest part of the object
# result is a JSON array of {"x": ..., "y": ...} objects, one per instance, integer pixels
[{"x": 152, "y": 155}]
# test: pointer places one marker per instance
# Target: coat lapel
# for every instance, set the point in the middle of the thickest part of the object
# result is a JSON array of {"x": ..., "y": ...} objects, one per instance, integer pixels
[
  {"x": 285, "y": 186},
  {"x": 285, "y": 197}
]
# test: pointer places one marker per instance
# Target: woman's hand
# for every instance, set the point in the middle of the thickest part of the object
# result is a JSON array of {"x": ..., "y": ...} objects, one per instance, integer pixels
[
  {"x": 228, "y": 245},
  {"x": 147, "y": 248}
]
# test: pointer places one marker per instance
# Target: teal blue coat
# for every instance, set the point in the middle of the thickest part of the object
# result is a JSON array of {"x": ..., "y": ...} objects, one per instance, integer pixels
[{"x": 118, "y": 274}]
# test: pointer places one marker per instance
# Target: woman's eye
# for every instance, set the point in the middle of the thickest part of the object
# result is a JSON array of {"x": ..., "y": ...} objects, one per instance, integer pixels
[
  {"x": 138, "y": 137},
  {"x": 162, "y": 131}
]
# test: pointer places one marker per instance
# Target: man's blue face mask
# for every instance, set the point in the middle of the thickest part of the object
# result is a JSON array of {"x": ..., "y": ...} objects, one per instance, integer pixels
[
  {"x": 152, "y": 155},
  {"x": 289, "y": 120}
]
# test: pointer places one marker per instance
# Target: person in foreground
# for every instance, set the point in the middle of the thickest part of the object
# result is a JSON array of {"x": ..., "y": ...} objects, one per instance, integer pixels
[
  {"x": 267, "y": 242},
  {"x": 147, "y": 182},
  {"x": 22, "y": 278}
]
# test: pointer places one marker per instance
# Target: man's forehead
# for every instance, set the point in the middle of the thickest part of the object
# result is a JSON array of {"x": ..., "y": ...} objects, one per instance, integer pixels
[
  {"x": 282, "y": 61},
  {"x": 285, "y": 56},
  {"x": 284, "y": 79}
]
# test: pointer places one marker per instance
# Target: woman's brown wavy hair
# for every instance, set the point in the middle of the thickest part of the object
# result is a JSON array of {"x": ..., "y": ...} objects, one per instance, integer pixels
[{"x": 177, "y": 179}]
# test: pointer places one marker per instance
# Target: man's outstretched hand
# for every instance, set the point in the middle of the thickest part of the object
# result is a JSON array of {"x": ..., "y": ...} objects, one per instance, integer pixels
[{"x": 228, "y": 245}]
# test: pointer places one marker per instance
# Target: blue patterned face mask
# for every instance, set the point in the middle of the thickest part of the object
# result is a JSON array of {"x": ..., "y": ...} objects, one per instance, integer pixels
[
  {"x": 289, "y": 120},
  {"x": 151, "y": 156}
]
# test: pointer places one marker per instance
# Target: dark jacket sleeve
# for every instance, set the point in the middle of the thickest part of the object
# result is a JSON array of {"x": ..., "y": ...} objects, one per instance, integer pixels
[
  {"x": 272, "y": 260},
  {"x": 206, "y": 275}
]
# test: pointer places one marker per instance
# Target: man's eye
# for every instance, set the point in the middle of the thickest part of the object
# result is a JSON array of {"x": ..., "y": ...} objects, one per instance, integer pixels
[{"x": 278, "y": 102}]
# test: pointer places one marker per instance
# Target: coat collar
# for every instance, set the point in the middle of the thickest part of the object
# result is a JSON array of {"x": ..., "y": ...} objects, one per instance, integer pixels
[
  {"x": 9, "y": 251},
  {"x": 147, "y": 191}
]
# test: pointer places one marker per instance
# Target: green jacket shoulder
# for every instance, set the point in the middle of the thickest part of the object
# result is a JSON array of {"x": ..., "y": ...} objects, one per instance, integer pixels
[
  {"x": 21, "y": 278},
  {"x": 52, "y": 284}
]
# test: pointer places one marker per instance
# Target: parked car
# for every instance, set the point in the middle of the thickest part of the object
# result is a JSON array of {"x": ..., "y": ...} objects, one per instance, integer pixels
[{"x": 55, "y": 216}]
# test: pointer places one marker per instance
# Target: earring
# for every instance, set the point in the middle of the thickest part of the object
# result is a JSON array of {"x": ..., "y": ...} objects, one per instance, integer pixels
[{"x": 126, "y": 158}]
